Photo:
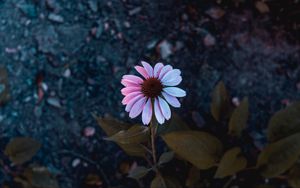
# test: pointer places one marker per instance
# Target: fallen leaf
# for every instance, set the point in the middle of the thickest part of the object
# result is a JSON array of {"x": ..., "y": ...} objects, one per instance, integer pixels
[
  {"x": 262, "y": 7},
  {"x": 40, "y": 177},
  {"x": 4, "y": 88}
]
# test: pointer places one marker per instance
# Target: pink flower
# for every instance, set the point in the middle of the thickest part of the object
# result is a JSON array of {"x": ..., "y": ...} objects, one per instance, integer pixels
[{"x": 154, "y": 91}]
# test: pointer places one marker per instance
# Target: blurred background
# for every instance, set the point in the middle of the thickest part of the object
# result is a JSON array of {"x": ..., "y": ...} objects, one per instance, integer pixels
[{"x": 61, "y": 61}]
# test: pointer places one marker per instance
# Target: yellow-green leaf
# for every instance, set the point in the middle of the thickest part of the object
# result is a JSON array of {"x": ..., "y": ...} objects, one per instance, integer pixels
[
  {"x": 294, "y": 176},
  {"x": 138, "y": 172},
  {"x": 110, "y": 125},
  {"x": 175, "y": 124},
  {"x": 284, "y": 123},
  {"x": 199, "y": 148},
  {"x": 220, "y": 105},
  {"x": 21, "y": 149},
  {"x": 134, "y": 135},
  {"x": 239, "y": 117},
  {"x": 231, "y": 163},
  {"x": 193, "y": 177},
  {"x": 40, "y": 177},
  {"x": 279, "y": 156},
  {"x": 166, "y": 157},
  {"x": 165, "y": 182}
]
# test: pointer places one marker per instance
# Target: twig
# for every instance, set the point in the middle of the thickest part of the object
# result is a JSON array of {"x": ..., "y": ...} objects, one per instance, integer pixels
[{"x": 229, "y": 182}]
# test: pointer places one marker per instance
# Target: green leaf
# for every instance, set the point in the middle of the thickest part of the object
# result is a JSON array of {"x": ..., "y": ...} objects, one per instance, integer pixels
[
  {"x": 134, "y": 135},
  {"x": 165, "y": 182},
  {"x": 166, "y": 157},
  {"x": 284, "y": 123},
  {"x": 279, "y": 156},
  {"x": 21, "y": 149},
  {"x": 220, "y": 105},
  {"x": 294, "y": 176},
  {"x": 231, "y": 163},
  {"x": 175, "y": 124},
  {"x": 110, "y": 125},
  {"x": 238, "y": 120},
  {"x": 138, "y": 172},
  {"x": 4, "y": 87},
  {"x": 199, "y": 148},
  {"x": 193, "y": 177},
  {"x": 40, "y": 177}
]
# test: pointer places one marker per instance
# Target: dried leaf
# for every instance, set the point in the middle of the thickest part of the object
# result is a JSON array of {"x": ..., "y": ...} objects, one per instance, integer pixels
[
  {"x": 4, "y": 88},
  {"x": 199, "y": 148},
  {"x": 138, "y": 172},
  {"x": 175, "y": 124},
  {"x": 93, "y": 180},
  {"x": 40, "y": 177},
  {"x": 166, "y": 157},
  {"x": 279, "y": 156},
  {"x": 220, "y": 104},
  {"x": 294, "y": 176},
  {"x": 134, "y": 135},
  {"x": 238, "y": 120},
  {"x": 165, "y": 182},
  {"x": 262, "y": 7},
  {"x": 193, "y": 177},
  {"x": 21, "y": 149},
  {"x": 284, "y": 123},
  {"x": 231, "y": 163}
]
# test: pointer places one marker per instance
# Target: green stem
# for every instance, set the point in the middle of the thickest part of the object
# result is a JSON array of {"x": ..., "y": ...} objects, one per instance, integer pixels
[{"x": 153, "y": 133}]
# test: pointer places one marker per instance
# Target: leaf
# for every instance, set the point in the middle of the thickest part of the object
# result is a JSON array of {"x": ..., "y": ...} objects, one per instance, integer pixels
[
  {"x": 199, "y": 148},
  {"x": 134, "y": 135},
  {"x": 133, "y": 149},
  {"x": 93, "y": 180},
  {"x": 279, "y": 156},
  {"x": 40, "y": 177},
  {"x": 4, "y": 87},
  {"x": 239, "y": 117},
  {"x": 165, "y": 182},
  {"x": 138, "y": 172},
  {"x": 294, "y": 176},
  {"x": 110, "y": 125},
  {"x": 231, "y": 163},
  {"x": 284, "y": 123},
  {"x": 166, "y": 157},
  {"x": 175, "y": 124},
  {"x": 262, "y": 7},
  {"x": 220, "y": 104},
  {"x": 193, "y": 177},
  {"x": 21, "y": 149}
]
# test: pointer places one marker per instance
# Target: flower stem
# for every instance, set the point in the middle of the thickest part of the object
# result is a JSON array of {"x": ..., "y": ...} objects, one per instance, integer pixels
[{"x": 153, "y": 133}]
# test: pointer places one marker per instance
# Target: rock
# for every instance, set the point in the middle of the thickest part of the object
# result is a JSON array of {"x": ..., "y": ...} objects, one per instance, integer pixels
[
  {"x": 53, "y": 101},
  {"x": 55, "y": 18},
  {"x": 135, "y": 11},
  {"x": 47, "y": 39},
  {"x": 93, "y": 5},
  {"x": 165, "y": 49}
]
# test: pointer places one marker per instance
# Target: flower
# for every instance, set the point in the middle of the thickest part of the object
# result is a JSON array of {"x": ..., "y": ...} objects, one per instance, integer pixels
[{"x": 154, "y": 91}]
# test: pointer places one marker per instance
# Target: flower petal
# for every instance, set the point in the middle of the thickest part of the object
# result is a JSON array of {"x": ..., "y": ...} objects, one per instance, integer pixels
[
  {"x": 147, "y": 112},
  {"x": 126, "y": 90},
  {"x": 142, "y": 71},
  {"x": 157, "y": 69},
  {"x": 137, "y": 107},
  {"x": 133, "y": 78},
  {"x": 158, "y": 114},
  {"x": 130, "y": 96},
  {"x": 148, "y": 68},
  {"x": 132, "y": 102},
  {"x": 174, "y": 82},
  {"x": 164, "y": 70},
  {"x": 175, "y": 91},
  {"x": 173, "y": 101},
  {"x": 126, "y": 82},
  {"x": 171, "y": 75},
  {"x": 164, "y": 107}
]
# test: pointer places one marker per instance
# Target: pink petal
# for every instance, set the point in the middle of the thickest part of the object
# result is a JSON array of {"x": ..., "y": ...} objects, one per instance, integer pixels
[
  {"x": 164, "y": 70},
  {"x": 137, "y": 107},
  {"x": 164, "y": 107},
  {"x": 174, "y": 82},
  {"x": 126, "y": 82},
  {"x": 132, "y": 102},
  {"x": 142, "y": 71},
  {"x": 171, "y": 75},
  {"x": 133, "y": 78},
  {"x": 157, "y": 69},
  {"x": 147, "y": 112},
  {"x": 173, "y": 101},
  {"x": 175, "y": 91},
  {"x": 158, "y": 114},
  {"x": 148, "y": 68},
  {"x": 125, "y": 91},
  {"x": 130, "y": 96}
]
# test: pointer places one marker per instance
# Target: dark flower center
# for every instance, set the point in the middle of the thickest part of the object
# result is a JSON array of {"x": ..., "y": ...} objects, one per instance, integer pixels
[{"x": 152, "y": 87}]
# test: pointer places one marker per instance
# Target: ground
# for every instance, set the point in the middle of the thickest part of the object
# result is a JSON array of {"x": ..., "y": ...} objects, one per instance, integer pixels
[{"x": 64, "y": 61}]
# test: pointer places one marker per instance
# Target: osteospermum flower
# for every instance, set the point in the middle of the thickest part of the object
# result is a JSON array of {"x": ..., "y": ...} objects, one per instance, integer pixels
[{"x": 154, "y": 91}]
